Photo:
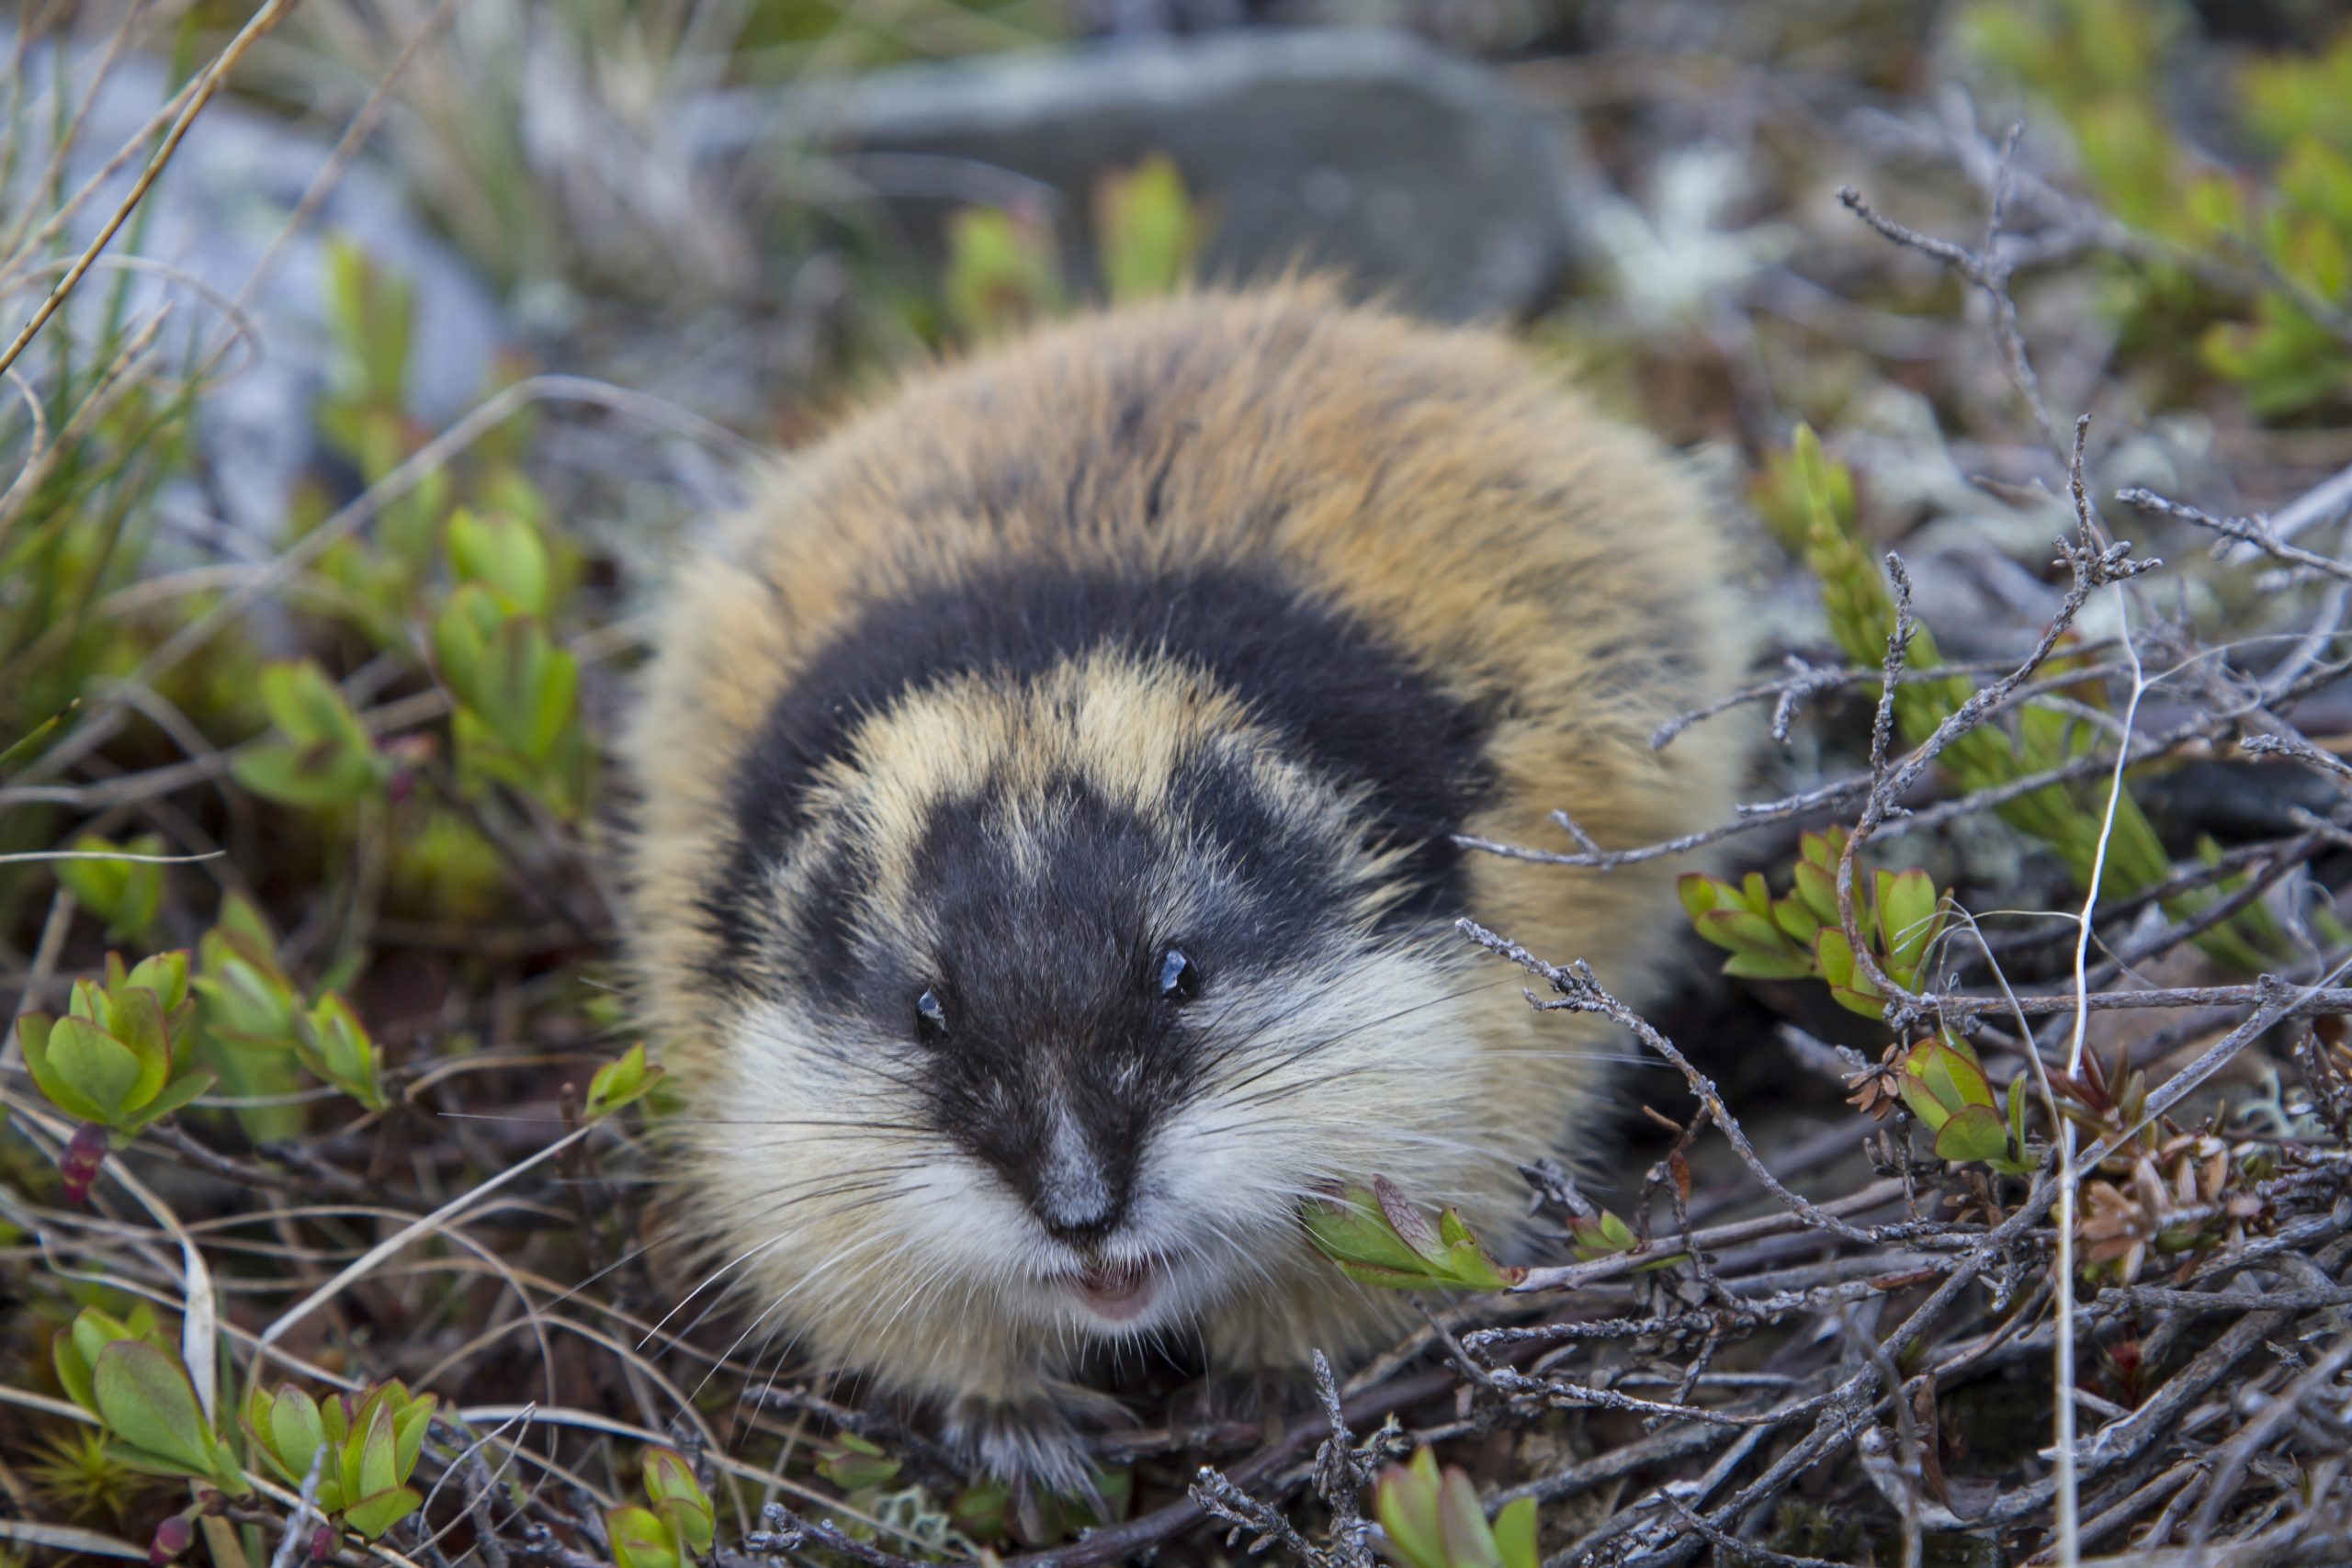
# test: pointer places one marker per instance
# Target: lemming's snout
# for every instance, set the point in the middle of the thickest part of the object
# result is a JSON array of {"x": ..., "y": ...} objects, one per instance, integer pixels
[{"x": 1078, "y": 1181}]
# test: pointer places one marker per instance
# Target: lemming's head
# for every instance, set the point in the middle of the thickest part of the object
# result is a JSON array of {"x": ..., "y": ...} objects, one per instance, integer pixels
[{"x": 1059, "y": 990}]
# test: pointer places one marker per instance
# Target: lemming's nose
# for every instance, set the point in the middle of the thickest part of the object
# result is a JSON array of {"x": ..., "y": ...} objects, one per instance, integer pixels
[
  {"x": 1078, "y": 1224},
  {"x": 1078, "y": 1197}
]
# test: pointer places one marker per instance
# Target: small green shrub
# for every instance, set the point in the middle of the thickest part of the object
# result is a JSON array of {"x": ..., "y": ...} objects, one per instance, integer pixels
[
  {"x": 2071, "y": 818},
  {"x": 2101, "y": 65},
  {"x": 1433, "y": 1519},
  {"x": 674, "y": 1526},
  {"x": 124, "y": 1373},
  {"x": 122, "y": 1056},
  {"x": 1379, "y": 1236},
  {"x": 1005, "y": 268},
  {"x": 364, "y": 1450}
]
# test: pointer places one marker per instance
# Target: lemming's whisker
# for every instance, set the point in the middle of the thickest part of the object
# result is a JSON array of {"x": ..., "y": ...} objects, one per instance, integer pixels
[
  {"x": 709, "y": 1280},
  {"x": 774, "y": 1306},
  {"x": 912, "y": 1293},
  {"x": 1374, "y": 1134},
  {"x": 1352, "y": 1027},
  {"x": 765, "y": 1208},
  {"x": 1612, "y": 1058},
  {"x": 1276, "y": 1093},
  {"x": 840, "y": 1287},
  {"x": 851, "y": 1123},
  {"x": 867, "y": 1179},
  {"x": 1228, "y": 1050},
  {"x": 871, "y": 1064}
]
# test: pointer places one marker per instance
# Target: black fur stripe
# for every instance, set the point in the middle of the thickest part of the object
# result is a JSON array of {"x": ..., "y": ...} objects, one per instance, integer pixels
[{"x": 1355, "y": 711}]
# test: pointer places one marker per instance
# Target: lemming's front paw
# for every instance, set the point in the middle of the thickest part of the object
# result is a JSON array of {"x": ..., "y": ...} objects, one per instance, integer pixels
[{"x": 1035, "y": 1442}]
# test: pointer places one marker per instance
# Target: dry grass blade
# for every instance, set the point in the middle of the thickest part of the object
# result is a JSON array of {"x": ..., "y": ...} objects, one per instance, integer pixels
[{"x": 200, "y": 92}]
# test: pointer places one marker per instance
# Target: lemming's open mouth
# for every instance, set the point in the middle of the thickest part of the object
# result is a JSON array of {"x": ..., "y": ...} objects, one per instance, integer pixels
[{"x": 1117, "y": 1292}]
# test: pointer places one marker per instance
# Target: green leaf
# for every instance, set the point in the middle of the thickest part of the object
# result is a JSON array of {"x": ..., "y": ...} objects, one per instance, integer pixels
[
  {"x": 130, "y": 1456},
  {"x": 89, "y": 1002},
  {"x": 410, "y": 1422},
  {"x": 73, "y": 1366},
  {"x": 1931, "y": 1112},
  {"x": 505, "y": 553},
  {"x": 371, "y": 312},
  {"x": 1834, "y": 955},
  {"x": 371, "y": 1457},
  {"x": 312, "y": 777},
  {"x": 1600, "y": 1236},
  {"x": 1384, "y": 1278},
  {"x": 94, "y": 1330},
  {"x": 306, "y": 706},
  {"x": 1515, "y": 1535},
  {"x": 1942, "y": 1078},
  {"x": 373, "y": 1514},
  {"x": 126, "y": 894},
  {"x": 1699, "y": 894},
  {"x": 1852, "y": 989},
  {"x": 525, "y": 687},
  {"x": 1745, "y": 932},
  {"x": 242, "y": 919},
  {"x": 1765, "y": 966},
  {"x": 1462, "y": 1523},
  {"x": 1816, "y": 889},
  {"x": 1796, "y": 919},
  {"x": 1869, "y": 1004},
  {"x": 335, "y": 1045},
  {"x": 146, "y": 1400},
  {"x": 679, "y": 1498},
  {"x": 180, "y": 1093},
  {"x": 1002, "y": 269},
  {"x": 1378, "y": 1236},
  {"x": 1824, "y": 850},
  {"x": 640, "y": 1538},
  {"x": 34, "y": 1031},
  {"x": 165, "y": 974},
  {"x": 621, "y": 1081},
  {"x": 853, "y": 1465},
  {"x": 1977, "y": 1133},
  {"x": 1350, "y": 1228},
  {"x": 1406, "y": 1501},
  {"x": 667, "y": 1475},
  {"x": 246, "y": 1002},
  {"x": 291, "y": 1428},
  {"x": 1909, "y": 916},
  {"x": 1470, "y": 1265},
  {"x": 460, "y": 634},
  {"x": 139, "y": 1024},
  {"x": 1949, "y": 1068},
  {"x": 1146, "y": 229},
  {"x": 102, "y": 1072}
]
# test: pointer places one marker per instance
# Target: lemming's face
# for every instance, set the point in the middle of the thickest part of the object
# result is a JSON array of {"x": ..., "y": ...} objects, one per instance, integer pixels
[{"x": 1068, "y": 1008}]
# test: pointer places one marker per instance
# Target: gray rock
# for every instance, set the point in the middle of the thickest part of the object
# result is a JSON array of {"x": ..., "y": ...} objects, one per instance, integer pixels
[
  {"x": 1366, "y": 150},
  {"x": 226, "y": 195}
]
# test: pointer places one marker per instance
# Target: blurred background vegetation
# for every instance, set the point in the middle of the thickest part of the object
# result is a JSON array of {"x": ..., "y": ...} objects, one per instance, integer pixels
[{"x": 347, "y": 423}]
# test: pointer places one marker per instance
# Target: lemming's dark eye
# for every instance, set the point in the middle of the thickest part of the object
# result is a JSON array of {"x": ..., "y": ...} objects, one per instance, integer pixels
[
  {"x": 931, "y": 1018},
  {"x": 1180, "y": 979}
]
